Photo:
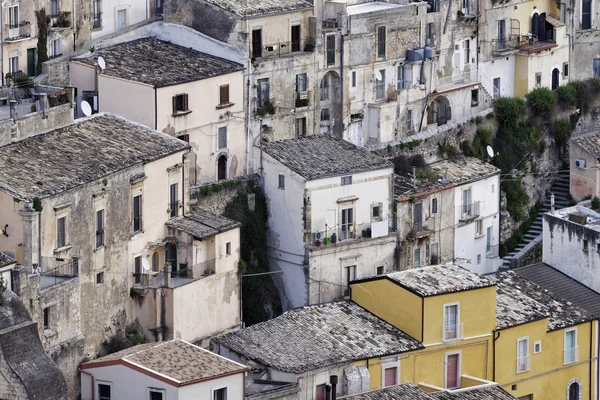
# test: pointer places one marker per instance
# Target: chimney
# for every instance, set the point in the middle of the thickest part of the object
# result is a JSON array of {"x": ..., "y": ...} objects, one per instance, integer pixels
[
  {"x": 14, "y": 111},
  {"x": 333, "y": 379},
  {"x": 167, "y": 280},
  {"x": 29, "y": 218},
  {"x": 552, "y": 202},
  {"x": 327, "y": 392}
]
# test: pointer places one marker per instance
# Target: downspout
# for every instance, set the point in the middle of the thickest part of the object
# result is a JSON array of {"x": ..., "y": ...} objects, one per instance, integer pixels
[
  {"x": 342, "y": 86},
  {"x": 596, "y": 361},
  {"x": 591, "y": 344},
  {"x": 2, "y": 39},
  {"x": 494, "y": 355},
  {"x": 477, "y": 43},
  {"x": 40, "y": 266},
  {"x": 155, "y": 108},
  {"x": 93, "y": 381},
  {"x": 247, "y": 114},
  {"x": 74, "y": 27}
]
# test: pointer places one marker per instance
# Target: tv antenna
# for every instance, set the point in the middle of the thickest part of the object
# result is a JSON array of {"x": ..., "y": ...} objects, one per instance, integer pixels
[{"x": 86, "y": 109}]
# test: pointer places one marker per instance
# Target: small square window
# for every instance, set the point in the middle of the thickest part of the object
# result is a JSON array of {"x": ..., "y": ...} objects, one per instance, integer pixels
[
  {"x": 104, "y": 392},
  {"x": 281, "y": 181},
  {"x": 228, "y": 248},
  {"x": 180, "y": 103},
  {"x": 376, "y": 212},
  {"x": 346, "y": 180},
  {"x": 223, "y": 95},
  {"x": 156, "y": 394},
  {"x": 380, "y": 270},
  {"x": 100, "y": 278},
  {"x": 537, "y": 347}
]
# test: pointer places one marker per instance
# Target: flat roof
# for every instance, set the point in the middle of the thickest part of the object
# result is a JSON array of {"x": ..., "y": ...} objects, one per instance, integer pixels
[
  {"x": 312, "y": 337},
  {"x": 323, "y": 156},
  {"x": 435, "y": 279},
  {"x": 84, "y": 151},
  {"x": 180, "y": 362},
  {"x": 257, "y": 8},
  {"x": 202, "y": 224},
  {"x": 371, "y": 7},
  {"x": 591, "y": 217},
  {"x": 159, "y": 63}
]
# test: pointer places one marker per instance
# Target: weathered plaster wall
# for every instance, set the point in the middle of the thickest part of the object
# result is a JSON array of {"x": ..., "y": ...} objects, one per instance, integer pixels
[
  {"x": 583, "y": 181},
  {"x": 216, "y": 202}
]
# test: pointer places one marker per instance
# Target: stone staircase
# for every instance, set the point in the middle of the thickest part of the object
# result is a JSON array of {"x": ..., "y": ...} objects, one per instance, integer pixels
[{"x": 560, "y": 189}]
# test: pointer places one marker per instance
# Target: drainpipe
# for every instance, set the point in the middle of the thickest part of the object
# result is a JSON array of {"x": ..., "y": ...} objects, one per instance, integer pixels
[
  {"x": 333, "y": 379},
  {"x": 496, "y": 337},
  {"x": 552, "y": 207},
  {"x": 2, "y": 39},
  {"x": 341, "y": 90},
  {"x": 93, "y": 381},
  {"x": 247, "y": 114},
  {"x": 327, "y": 392},
  {"x": 74, "y": 14}
]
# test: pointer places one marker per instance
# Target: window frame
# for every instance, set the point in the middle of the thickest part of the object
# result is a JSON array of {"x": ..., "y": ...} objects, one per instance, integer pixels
[
  {"x": 263, "y": 96},
  {"x": 346, "y": 180},
  {"x": 527, "y": 356},
  {"x": 140, "y": 214},
  {"x": 103, "y": 383},
  {"x": 281, "y": 182},
  {"x": 215, "y": 391},
  {"x": 101, "y": 276},
  {"x": 380, "y": 86},
  {"x": 587, "y": 24},
  {"x": 228, "y": 248},
  {"x": 224, "y": 95},
  {"x": 163, "y": 393},
  {"x": 173, "y": 200},
  {"x": 417, "y": 257},
  {"x": 347, "y": 229},
  {"x": 404, "y": 77},
  {"x": 379, "y": 268},
  {"x": 390, "y": 363},
  {"x": 61, "y": 231},
  {"x": 434, "y": 205},
  {"x": 458, "y": 369},
  {"x": 353, "y": 79},
  {"x": 222, "y": 136},
  {"x": 100, "y": 228},
  {"x": 300, "y": 126},
  {"x": 381, "y": 39},
  {"x": 180, "y": 104},
  {"x": 537, "y": 343},
  {"x": 47, "y": 317},
  {"x": 576, "y": 355},
  {"x": 445, "y": 323},
  {"x": 330, "y": 50}
]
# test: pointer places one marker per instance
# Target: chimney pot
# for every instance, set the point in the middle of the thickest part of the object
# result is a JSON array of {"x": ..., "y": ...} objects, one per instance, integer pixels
[{"x": 327, "y": 392}]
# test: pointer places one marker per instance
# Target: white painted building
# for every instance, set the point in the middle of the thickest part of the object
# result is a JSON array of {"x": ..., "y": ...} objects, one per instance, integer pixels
[
  {"x": 110, "y": 16},
  {"x": 329, "y": 216},
  {"x": 571, "y": 243},
  {"x": 174, "y": 370}
]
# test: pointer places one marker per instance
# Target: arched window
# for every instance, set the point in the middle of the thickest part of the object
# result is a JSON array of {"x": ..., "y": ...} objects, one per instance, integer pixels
[
  {"x": 534, "y": 23},
  {"x": 155, "y": 261},
  {"x": 222, "y": 168},
  {"x": 574, "y": 390}
]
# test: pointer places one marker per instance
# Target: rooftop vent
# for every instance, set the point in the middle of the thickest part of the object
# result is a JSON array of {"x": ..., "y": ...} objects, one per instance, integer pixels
[{"x": 578, "y": 218}]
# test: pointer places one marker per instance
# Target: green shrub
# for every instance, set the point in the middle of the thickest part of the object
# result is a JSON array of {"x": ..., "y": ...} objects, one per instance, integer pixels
[
  {"x": 541, "y": 100},
  {"x": 568, "y": 93},
  {"x": 516, "y": 199},
  {"x": 562, "y": 131},
  {"x": 509, "y": 110},
  {"x": 596, "y": 203}
]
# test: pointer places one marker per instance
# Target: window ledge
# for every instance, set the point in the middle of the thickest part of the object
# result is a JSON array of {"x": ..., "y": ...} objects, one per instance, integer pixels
[
  {"x": 479, "y": 235},
  {"x": 49, "y": 333},
  {"x": 226, "y": 105},
  {"x": 180, "y": 113},
  {"x": 61, "y": 249},
  {"x": 98, "y": 29},
  {"x": 525, "y": 370},
  {"x": 99, "y": 248},
  {"x": 452, "y": 340},
  {"x": 137, "y": 233}
]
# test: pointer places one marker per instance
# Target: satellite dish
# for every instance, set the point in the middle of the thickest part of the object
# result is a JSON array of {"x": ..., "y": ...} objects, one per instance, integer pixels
[
  {"x": 490, "y": 151},
  {"x": 378, "y": 76},
  {"x": 86, "y": 109},
  {"x": 101, "y": 62},
  {"x": 145, "y": 264}
]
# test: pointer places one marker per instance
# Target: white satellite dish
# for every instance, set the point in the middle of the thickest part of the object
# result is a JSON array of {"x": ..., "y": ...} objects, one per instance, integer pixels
[
  {"x": 378, "y": 76},
  {"x": 86, "y": 109},
  {"x": 101, "y": 62},
  {"x": 145, "y": 265},
  {"x": 490, "y": 151}
]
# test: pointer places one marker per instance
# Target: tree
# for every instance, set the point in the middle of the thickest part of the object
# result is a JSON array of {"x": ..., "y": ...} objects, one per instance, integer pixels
[{"x": 42, "y": 44}]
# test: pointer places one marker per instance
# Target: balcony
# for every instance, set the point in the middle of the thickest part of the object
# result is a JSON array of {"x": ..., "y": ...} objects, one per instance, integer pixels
[
  {"x": 502, "y": 47},
  {"x": 15, "y": 33},
  {"x": 523, "y": 364},
  {"x": 62, "y": 20},
  {"x": 453, "y": 331},
  {"x": 468, "y": 212},
  {"x": 55, "y": 270},
  {"x": 530, "y": 44},
  {"x": 185, "y": 274},
  {"x": 347, "y": 233},
  {"x": 419, "y": 230},
  {"x": 283, "y": 49}
]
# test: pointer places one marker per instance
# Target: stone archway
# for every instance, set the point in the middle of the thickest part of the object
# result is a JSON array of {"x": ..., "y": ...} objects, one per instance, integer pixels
[{"x": 439, "y": 111}]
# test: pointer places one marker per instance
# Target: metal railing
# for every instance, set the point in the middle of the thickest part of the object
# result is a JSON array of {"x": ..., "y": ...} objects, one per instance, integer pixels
[
  {"x": 453, "y": 331},
  {"x": 17, "y": 32},
  {"x": 56, "y": 270},
  {"x": 282, "y": 48},
  {"x": 61, "y": 20},
  {"x": 508, "y": 44},
  {"x": 523, "y": 363},
  {"x": 97, "y": 21},
  {"x": 469, "y": 211},
  {"x": 331, "y": 23},
  {"x": 492, "y": 251},
  {"x": 380, "y": 90},
  {"x": 462, "y": 78},
  {"x": 571, "y": 355},
  {"x": 336, "y": 235}
]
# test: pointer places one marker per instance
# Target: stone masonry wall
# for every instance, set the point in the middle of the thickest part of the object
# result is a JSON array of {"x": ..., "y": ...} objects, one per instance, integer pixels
[{"x": 34, "y": 123}]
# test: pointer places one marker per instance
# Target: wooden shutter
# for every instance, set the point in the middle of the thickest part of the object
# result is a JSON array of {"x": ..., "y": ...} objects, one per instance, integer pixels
[
  {"x": 452, "y": 371},
  {"x": 174, "y": 104},
  {"x": 185, "y": 102},
  {"x": 320, "y": 392},
  {"x": 224, "y": 95},
  {"x": 390, "y": 376}
]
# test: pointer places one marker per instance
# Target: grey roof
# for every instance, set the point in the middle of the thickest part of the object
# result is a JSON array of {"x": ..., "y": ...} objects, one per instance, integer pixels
[
  {"x": 519, "y": 301},
  {"x": 590, "y": 142},
  {"x": 438, "y": 279},
  {"x": 261, "y": 7},
  {"x": 477, "y": 393},
  {"x": 563, "y": 286},
  {"x": 84, "y": 151},
  {"x": 202, "y": 224},
  {"x": 404, "y": 391},
  {"x": 311, "y": 337},
  {"x": 6, "y": 260},
  {"x": 323, "y": 156},
  {"x": 159, "y": 63}
]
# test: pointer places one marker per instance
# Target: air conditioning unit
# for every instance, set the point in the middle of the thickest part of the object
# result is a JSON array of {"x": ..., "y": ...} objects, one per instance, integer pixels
[
  {"x": 580, "y": 164},
  {"x": 303, "y": 95}
]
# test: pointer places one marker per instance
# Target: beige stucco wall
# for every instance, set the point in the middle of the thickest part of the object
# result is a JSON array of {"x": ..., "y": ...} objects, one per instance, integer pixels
[
  {"x": 9, "y": 214},
  {"x": 132, "y": 100},
  {"x": 583, "y": 182}
]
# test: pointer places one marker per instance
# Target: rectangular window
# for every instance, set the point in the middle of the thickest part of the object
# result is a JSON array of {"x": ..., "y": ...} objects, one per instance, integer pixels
[
  {"x": 99, "y": 278},
  {"x": 417, "y": 258},
  {"x": 376, "y": 212},
  {"x": 381, "y": 36},
  {"x": 478, "y": 259},
  {"x": 501, "y": 35},
  {"x": 324, "y": 88},
  {"x": 380, "y": 270},
  {"x": 434, "y": 251},
  {"x": 496, "y": 93},
  {"x": 467, "y": 49},
  {"x": 281, "y": 181},
  {"x": 346, "y": 180},
  {"x": 137, "y": 265},
  {"x": 405, "y": 77},
  {"x": 433, "y": 5},
  {"x": 474, "y": 97},
  {"x": 320, "y": 392},
  {"x": 220, "y": 394},
  {"x": 97, "y": 14},
  {"x": 13, "y": 17},
  {"x": 350, "y": 276},
  {"x": 586, "y": 14},
  {"x": 585, "y": 245},
  {"x": 418, "y": 217},
  {"x": 263, "y": 92},
  {"x": 222, "y": 137},
  {"x": 137, "y": 213},
  {"x": 296, "y": 38},
  {"x": 409, "y": 120},
  {"x": 466, "y": 7},
  {"x": 478, "y": 227},
  {"x": 570, "y": 346},
  {"x": 434, "y": 206},
  {"x": 430, "y": 34},
  {"x": 156, "y": 395},
  {"x": 300, "y": 127},
  {"x": 185, "y": 138},
  {"x": 353, "y": 78},
  {"x": 104, "y": 392},
  {"x": 452, "y": 371},
  {"x": 228, "y": 248},
  {"x": 61, "y": 232},
  {"x": 565, "y": 70},
  {"x": 223, "y": 95},
  {"x": 330, "y": 47},
  {"x": 99, "y": 228},
  {"x": 390, "y": 376},
  {"x": 451, "y": 321},
  {"x": 596, "y": 67},
  {"x": 380, "y": 85},
  {"x": 325, "y": 117},
  {"x": 301, "y": 84},
  {"x": 174, "y": 200},
  {"x": 121, "y": 19},
  {"x": 180, "y": 103},
  {"x": 537, "y": 347},
  {"x": 257, "y": 43},
  {"x": 47, "y": 318},
  {"x": 522, "y": 355},
  {"x": 347, "y": 223},
  {"x": 56, "y": 48},
  {"x": 13, "y": 64},
  {"x": 538, "y": 79}
]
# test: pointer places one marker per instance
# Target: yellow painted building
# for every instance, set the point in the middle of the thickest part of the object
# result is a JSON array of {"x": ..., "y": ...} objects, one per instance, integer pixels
[{"x": 477, "y": 328}]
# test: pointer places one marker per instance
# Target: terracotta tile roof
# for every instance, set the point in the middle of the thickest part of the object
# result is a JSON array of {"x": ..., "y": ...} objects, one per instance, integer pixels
[
  {"x": 589, "y": 142},
  {"x": 313, "y": 337},
  {"x": 177, "y": 360}
]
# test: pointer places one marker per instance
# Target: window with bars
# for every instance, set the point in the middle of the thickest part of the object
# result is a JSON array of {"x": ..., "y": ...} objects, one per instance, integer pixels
[
  {"x": 222, "y": 137},
  {"x": 330, "y": 46},
  {"x": 223, "y": 95}
]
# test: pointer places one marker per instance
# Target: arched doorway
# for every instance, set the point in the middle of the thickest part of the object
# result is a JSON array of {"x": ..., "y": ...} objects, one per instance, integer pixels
[
  {"x": 555, "y": 78},
  {"x": 439, "y": 111},
  {"x": 222, "y": 167},
  {"x": 574, "y": 391}
]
